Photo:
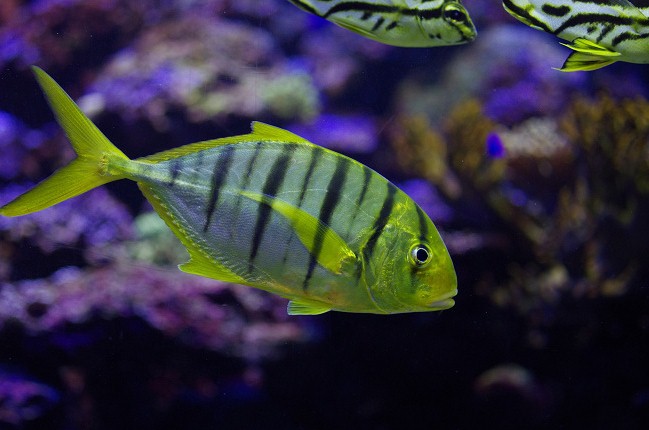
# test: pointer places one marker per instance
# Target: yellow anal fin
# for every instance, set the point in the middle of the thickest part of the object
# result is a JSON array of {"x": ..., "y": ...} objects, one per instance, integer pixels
[
  {"x": 300, "y": 307},
  {"x": 202, "y": 266},
  {"x": 199, "y": 263},
  {"x": 580, "y": 62},
  {"x": 588, "y": 56},
  {"x": 589, "y": 47},
  {"x": 333, "y": 252}
]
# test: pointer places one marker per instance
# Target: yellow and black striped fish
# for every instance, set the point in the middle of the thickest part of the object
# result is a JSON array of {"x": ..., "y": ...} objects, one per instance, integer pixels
[
  {"x": 408, "y": 23},
  {"x": 270, "y": 210},
  {"x": 600, "y": 32}
]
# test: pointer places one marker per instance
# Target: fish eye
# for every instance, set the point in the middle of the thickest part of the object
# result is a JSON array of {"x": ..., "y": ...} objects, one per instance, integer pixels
[
  {"x": 451, "y": 13},
  {"x": 420, "y": 254}
]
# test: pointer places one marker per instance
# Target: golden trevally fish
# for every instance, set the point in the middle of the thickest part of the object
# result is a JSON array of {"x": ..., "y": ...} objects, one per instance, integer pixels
[
  {"x": 407, "y": 23},
  {"x": 270, "y": 210},
  {"x": 600, "y": 32}
]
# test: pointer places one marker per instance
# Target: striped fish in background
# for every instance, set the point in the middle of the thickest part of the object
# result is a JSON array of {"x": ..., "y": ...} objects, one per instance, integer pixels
[
  {"x": 407, "y": 23},
  {"x": 600, "y": 32},
  {"x": 272, "y": 211}
]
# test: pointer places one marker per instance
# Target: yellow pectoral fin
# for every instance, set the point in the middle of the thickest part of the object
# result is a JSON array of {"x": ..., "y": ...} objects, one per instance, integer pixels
[{"x": 333, "y": 251}]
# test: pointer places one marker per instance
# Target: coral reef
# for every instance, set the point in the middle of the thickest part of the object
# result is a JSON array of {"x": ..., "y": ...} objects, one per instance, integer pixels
[
  {"x": 171, "y": 67},
  {"x": 566, "y": 196}
]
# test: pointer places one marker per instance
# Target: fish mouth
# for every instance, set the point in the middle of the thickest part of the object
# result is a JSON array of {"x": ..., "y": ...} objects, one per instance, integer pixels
[{"x": 444, "y": 302}]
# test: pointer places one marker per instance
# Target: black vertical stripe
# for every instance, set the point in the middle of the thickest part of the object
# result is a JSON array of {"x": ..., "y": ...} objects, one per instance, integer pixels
[
  {"x": 174, "y": 171},
  {"x": 248, "y": 175},
  {"x": 221, "y": 169},
  {"x": 251, "y": 164},
  {"x": 331, "y": 199},
  {"x": 423, "y": 224},
  {"x": 316, "y": 153},
  {"x": 381, "y": 221},
  {"x": 367, "y": 177},
  {"x": 379, "y": 22},
  {"x": 272, "y": 184}
]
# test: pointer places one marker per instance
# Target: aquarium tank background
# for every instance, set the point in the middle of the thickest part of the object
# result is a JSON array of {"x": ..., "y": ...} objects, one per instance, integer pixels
[{"x": 538, "y": 181}]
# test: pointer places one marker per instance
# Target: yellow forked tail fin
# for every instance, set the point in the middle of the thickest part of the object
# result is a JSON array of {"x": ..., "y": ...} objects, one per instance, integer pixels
[{"x": 85, "y": 172}]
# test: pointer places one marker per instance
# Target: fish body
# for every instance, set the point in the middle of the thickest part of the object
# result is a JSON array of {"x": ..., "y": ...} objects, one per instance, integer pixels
[
  {"x": 600, "y": 32},
  {"x": 406, "y": 23},
  {"x": 273, "y": 211}
]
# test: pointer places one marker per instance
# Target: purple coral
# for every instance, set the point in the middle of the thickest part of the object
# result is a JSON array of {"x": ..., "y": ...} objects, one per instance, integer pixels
[
  {"x": 201, "y": 312},
  {"x": 94, "y": 218},
  {"x": 23, "y": 399},
  {"x": 349, "y": 133},
  {"x": 16, "y": 140}
]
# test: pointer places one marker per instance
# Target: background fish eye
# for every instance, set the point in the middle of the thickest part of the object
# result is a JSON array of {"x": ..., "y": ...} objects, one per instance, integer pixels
[{"x": 453, "y": 14}]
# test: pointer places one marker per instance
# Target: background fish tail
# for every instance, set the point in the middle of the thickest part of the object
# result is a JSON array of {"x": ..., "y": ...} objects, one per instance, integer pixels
[{"x": 87, "y": 171}]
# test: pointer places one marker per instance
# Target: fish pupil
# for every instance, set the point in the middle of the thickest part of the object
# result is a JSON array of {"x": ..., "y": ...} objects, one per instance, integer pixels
[{"x": 420, "y": 254}]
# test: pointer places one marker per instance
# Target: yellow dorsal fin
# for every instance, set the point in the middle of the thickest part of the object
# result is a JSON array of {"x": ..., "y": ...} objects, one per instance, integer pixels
[
  {"x": 334, "y": 252},
  {"x": 265, "y": 131},
  {"x": 260, "y": 131}
]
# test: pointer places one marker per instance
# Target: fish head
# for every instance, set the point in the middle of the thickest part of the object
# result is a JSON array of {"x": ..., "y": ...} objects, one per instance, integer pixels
[
  {"x": 412, "y": 269},
  {"x": 453, "y": 27}
]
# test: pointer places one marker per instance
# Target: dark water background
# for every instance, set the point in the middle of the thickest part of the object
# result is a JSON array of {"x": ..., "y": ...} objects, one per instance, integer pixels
[{"x": 537, "y": 180}]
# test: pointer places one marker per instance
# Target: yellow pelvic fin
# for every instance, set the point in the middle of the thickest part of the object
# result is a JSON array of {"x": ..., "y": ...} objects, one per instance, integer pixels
[
  {"x": 301, "y": 307},
  {"x": 87, "y": 171},
  {"x": 260, "y": 132},
  {"x": 199, "y": 263},
  {"x": 334, "y": 251}
]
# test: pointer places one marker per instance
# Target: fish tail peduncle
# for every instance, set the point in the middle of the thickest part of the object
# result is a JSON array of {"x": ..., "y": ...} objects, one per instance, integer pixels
[{"x": 91, "y": 167}]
